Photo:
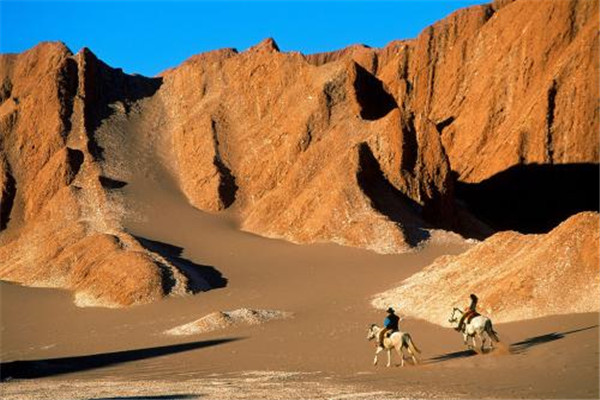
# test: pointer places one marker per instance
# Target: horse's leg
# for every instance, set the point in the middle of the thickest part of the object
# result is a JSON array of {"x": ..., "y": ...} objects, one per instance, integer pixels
[
  {"x": 412, "y": 355},
  {"x": 489, "y": 334},
  {"x": 466, "y": 340},
  {"x": 379, "y": 349},
  {"x": 482, "y": 338},
  {"x": 389, "y": 352},
  {"x": 400, "y": 353}
]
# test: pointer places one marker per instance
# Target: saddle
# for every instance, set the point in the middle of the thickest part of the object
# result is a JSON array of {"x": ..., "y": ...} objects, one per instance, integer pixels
[
  {"x": 389, "y": 333},
  {"x": 469, "y": 315}
]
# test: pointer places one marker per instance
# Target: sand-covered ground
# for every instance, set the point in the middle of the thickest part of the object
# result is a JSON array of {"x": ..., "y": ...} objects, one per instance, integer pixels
[
  {"x": 66, "y": 352},
  {"x": 73, "y": 353},
  {"x": 320, "y": 352}
]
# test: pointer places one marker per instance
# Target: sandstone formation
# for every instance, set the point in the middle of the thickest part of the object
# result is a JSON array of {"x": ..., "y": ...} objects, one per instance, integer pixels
[
  {"x": 512, "y": 88},
  {"x": 62, "y": 224},
  {"x": 225, "y": 319},
  {"x": 507, "y": 83},
  {"x": 304, "y": 153},
  {"x": 293, "y": 147},
  {"x": 362, "y": 147},
  {"x": 515, "y": 276}
]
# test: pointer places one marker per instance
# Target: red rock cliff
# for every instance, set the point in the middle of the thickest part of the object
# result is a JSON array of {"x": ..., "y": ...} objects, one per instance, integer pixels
[
  {"x": 360, "y": 147},
  {"x": 61, "y": 227}
]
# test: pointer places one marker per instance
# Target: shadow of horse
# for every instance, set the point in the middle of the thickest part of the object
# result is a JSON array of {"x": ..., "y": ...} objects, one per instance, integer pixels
[
  {"x": 514, "y": 348},
  {"x": 451, "y": 356}
]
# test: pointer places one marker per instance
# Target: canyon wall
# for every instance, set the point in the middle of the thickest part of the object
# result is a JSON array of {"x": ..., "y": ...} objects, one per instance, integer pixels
[
  {"x": 384, "y": 149},
  {"x": 61, "y": 221}
]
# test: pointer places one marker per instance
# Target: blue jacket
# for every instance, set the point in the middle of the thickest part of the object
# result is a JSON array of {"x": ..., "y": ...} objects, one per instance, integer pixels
[{"x": 391, "y": 322}]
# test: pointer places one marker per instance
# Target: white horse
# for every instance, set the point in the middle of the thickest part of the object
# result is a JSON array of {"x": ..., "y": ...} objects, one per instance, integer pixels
[
  {"x": 397, "y": 340},
  {"x": 479, "y": 326}
]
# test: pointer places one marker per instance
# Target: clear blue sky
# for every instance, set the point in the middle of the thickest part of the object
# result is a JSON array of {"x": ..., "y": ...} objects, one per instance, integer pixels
[{"x": 147, "y": 37}]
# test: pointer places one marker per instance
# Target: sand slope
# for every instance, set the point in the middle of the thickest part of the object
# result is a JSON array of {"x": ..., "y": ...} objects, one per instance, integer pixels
[
  {"x": 322, "y": 351},
  {"x": 515, "y": 276}
]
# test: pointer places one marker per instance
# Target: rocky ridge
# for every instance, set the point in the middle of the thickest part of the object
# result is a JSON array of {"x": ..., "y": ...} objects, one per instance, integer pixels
[
  {"x": 361, "y": 147},
  {"x": 301, "y": 157},
  {"x": 476, "y": 94},
  {"x": 64, "y": 226}
]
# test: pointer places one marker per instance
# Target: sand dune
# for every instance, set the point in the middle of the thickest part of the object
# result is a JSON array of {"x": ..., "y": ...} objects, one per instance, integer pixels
[{"x": 516, "y": 276}]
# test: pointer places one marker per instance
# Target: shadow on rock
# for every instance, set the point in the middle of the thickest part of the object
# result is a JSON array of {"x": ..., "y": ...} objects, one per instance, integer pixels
[
  {"x": 374, "y": 100},
  {"x": 388, "y": 200},
  {"x": 198, "y": 274},
  {"x": 110, "y": 183},
  {"x": 533, "y": 198},
  {"x": 105, "y": 89}
]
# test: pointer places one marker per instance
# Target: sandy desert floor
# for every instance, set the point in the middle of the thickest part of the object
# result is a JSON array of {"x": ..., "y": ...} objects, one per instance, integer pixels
[{"x": 67, "y": 352}]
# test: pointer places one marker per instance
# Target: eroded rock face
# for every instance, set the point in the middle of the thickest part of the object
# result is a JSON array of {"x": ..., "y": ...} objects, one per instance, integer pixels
[
  {"x": 60, "y": 226},
  {"x": 359, "y": 147},
  {"x": 281, "y": 136},
  {"x": 501, "y": 86},
  {"x": 515, "y": 276},
  {"x": 306, "y": 153}
]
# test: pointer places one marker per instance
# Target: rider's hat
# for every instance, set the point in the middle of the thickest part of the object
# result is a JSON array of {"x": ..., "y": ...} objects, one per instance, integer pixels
[{"x": 390, "y": 310}]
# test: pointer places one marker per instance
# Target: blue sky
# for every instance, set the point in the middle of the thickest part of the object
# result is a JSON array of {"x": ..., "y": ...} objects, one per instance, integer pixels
[{"x": 147, "y": 37}]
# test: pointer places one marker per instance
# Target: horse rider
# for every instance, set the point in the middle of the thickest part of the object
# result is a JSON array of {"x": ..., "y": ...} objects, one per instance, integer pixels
[
  {"x": 390, "y": 324},
  {"x": 469, "y": 313}
]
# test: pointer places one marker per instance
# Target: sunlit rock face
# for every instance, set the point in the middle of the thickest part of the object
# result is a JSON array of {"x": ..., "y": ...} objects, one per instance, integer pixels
[{"x": 361, "y": 147}]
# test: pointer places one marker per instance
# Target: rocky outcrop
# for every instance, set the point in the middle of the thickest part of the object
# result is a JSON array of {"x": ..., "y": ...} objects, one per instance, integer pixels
[
  {"x": 282, "y": 136},
  {"x": 226, "y": 319},
  {"x": 515, "y": 276},
  {"x": 61, "y": 226},
  {"x": 514, "y": 106},
  {"x": 501, "y": 88},
  {"x": 362, "y": 147},
  {"x": 290, "y": 145}
]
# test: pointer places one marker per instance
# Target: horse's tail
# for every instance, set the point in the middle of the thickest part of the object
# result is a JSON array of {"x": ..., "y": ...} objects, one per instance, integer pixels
[
  {"x": 413, "y": 347},
  {"x": 490, "y": 331}
]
